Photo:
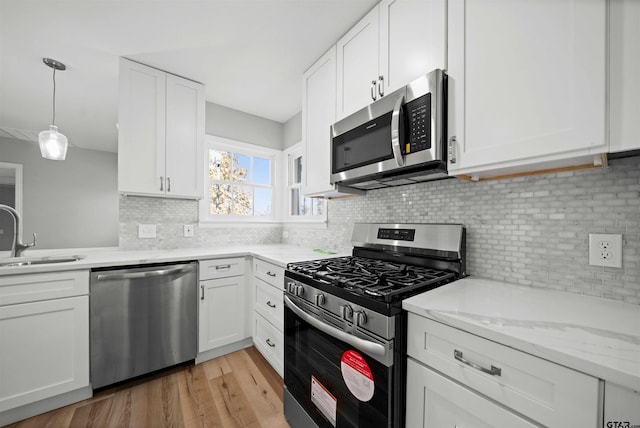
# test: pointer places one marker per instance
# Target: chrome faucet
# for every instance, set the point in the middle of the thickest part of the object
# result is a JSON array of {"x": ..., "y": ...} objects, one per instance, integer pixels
[{"x": 17, "y": 247}]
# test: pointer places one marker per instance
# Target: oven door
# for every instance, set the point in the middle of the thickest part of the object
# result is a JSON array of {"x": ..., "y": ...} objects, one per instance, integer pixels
[{"x": 330, "y": 383}]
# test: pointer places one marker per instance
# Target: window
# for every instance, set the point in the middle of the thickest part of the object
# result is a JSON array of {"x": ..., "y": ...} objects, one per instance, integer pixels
[
  {"x": 240, "y": 181},
  {"x": 301, "y": 208}
]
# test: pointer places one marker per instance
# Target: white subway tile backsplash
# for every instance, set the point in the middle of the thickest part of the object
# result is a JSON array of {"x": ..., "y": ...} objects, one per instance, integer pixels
[{"x": 528, "y": 230}]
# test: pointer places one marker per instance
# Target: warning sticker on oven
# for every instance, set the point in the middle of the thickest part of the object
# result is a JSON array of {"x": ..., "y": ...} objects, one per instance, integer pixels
[
  {"x": 357, "y": 375},
  {"x": 324, "y": 401}
]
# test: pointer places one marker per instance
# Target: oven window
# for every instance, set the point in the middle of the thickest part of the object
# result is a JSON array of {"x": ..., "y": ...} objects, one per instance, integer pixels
[
  {"x": 312, "y": 353},
  {"x": 369, "y": 143}
]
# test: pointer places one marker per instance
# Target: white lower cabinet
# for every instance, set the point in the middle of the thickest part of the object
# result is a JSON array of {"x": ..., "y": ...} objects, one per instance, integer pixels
[
  {"x": 44, "y": 344},
  {"x": 223, "y": 303},
  {"x": 268, "y": 320},
  {"x": 436, "y": 401},
  {"x": 533, "y": 388},
  {"x": 621, "y": 406}
]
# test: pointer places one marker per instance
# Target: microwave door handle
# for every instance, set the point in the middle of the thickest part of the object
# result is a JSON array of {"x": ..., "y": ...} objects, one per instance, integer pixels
[{"x": 395, "y": 132}]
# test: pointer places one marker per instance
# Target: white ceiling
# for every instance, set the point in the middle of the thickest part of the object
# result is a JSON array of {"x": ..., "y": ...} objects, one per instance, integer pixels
[{"x": 249, "y": 54}]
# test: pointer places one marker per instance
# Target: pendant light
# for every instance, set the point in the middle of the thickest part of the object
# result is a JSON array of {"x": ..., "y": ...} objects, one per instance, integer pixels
[{"x": 53, "y": 145}]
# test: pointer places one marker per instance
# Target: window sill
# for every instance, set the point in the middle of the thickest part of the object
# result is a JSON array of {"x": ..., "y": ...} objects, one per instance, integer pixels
[{"x": 237, "y": 223}]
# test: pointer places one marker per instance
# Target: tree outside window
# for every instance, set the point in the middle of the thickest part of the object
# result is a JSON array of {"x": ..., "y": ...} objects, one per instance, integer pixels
[{"x": 239, "y": 184}]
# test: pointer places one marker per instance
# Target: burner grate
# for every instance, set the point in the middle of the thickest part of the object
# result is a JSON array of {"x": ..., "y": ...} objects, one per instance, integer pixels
[{"x": 378, "y": 279}]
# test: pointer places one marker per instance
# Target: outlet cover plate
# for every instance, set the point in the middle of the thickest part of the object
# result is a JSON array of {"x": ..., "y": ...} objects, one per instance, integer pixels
[
  {"x": 188, "y": 231},
  {"x": 605, "y": 249}
]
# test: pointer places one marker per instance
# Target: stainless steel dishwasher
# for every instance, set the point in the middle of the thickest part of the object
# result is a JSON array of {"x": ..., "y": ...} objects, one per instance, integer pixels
[{"x": 142, "y": 319}]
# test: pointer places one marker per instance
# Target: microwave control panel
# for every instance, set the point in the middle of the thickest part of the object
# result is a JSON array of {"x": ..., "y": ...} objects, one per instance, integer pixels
[{"x": 418, "y": 125}]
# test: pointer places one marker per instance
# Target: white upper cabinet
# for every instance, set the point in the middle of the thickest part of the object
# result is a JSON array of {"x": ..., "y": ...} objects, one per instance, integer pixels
[
  {"x": 395, "y": 43},
  {"x": 185, "y": 137},
  {"x": 318, "y": 114},
  {"x": 624, "y": 70},
  {"x": 357, "y": 61},
  {"x": 160, "y": 133},
  {"x": 412, "y": 40},
  {"x": 527, "y": 84}
]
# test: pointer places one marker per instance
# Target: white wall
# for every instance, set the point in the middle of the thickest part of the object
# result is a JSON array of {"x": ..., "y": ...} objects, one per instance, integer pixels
[
  {"x": 292, "y": 130},
  {"x": 71, "y": 203},
  {"x": 237, "y": 125}
]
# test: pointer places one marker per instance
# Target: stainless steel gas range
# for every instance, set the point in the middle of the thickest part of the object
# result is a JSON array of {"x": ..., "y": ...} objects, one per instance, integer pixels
[{"x": 345, "y": 331}]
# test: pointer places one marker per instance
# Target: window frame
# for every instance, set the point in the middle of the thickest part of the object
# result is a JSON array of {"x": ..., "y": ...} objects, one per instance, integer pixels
[
  {"x": 288, "y": 155},
  {"x": 212, "y": 142}
]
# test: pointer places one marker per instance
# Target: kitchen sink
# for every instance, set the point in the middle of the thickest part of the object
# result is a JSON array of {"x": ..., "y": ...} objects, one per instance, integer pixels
[{"x": 29, "y": 261}]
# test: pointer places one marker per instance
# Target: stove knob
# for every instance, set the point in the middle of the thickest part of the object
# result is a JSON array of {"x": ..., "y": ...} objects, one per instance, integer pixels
[
  {"x": 320, "y": 299},
  {"x": 291, "y": 287},
  {"x": 299, "y": 290},
  {"x": 361, "y": 318},
  {"x": 347, "y": 312}
]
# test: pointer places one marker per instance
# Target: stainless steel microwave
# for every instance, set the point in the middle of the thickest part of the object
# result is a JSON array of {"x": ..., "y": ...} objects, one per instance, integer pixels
[{"x": 399, "y": 139}]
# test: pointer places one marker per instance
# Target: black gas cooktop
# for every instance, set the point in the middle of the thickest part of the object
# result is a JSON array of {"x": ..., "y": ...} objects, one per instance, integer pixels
[{"x": 376, "y": 279}]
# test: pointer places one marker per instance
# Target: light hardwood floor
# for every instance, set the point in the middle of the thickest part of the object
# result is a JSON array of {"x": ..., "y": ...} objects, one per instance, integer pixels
[{"x": 236, "y": 390}]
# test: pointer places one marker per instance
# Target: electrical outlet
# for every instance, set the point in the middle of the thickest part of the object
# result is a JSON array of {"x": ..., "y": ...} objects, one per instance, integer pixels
[
  {"x": 146, "y": 231},
  {"x": 605, "y": 249},
  {"x": 188, "y": 231}
]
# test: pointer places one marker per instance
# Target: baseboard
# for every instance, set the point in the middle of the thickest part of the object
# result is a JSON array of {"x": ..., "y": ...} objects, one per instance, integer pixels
[
  {"x": 28, "y": 410},
  {"x": 223, "y": 350}
]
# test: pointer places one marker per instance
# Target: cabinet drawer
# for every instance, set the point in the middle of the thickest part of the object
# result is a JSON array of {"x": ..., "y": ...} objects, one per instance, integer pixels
[
  {"x": 546, "y": 392},
  {"x": 221, "y": 268},
  {"x": 270, "y": 342},
  {"x": 269, "y": 273},
  {"x": 436, "y": 401},
  {"x": 268, "y": 302},
  {"x": 43, "y": 286}
]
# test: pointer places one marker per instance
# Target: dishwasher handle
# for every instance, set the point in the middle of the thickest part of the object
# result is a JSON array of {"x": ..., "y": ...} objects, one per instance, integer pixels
[{"x": 144, "y": 274}]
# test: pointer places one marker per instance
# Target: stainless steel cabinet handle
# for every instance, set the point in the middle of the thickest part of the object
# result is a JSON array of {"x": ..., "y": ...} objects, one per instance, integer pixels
[
  {"x": 361, "y": 344},
  {"x": 493, "y": 371},
  {"x": 381, "y": 85},
  {"x": 273, "y": 345},
  {"x": 374, "y": 96},
  {"x": 144, "y": 274},
  {"x": 202, "y": 295},
  {"x": 271, "y": 273},
  {"x": 395, "y": 132},
  {"x": 162, "y": 184},
  {"x": 271, "y": 305},
  {"x": 452, "y": 149},
  {"x": 168, "y": 184},
  {"x": 221, "y": 267}
]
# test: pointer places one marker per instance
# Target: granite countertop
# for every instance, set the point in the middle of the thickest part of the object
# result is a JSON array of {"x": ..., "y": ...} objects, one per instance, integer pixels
[
  {"x": 593, "y": 335},
  {"x": 278, "y": 254}
]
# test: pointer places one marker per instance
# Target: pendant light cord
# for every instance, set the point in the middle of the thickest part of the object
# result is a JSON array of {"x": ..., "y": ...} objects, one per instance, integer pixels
[{"x": 53, "y": 122}]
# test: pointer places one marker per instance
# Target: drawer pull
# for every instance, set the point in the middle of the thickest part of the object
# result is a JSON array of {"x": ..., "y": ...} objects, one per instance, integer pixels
[
  {"x": 494, "y": 371},
  {"x": 271, "y": 274},
  {"x": 270, "y": 344},
  {"x": 221, "y": 267},
  {"x": 271, "y": 305}
]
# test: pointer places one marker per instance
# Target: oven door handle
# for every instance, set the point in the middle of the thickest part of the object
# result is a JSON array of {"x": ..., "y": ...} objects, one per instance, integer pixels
[
  {"x": 395, "y": 132},
  {"x": 356, "y": 342}
]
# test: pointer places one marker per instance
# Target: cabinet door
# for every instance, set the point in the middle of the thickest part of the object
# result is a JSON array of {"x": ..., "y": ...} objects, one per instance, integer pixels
[
  {"x": 44, "y": 350},
  {"x": 623, "y": 78},
  {"x": 357, "y": 64},
  {"x": 413, "y": 40},
  {"x": 527, "y": 82},
  {"x": 621, "y": 405},
  {"x": 222, "y": 312},
  {"x": 141, "y": 129},
  {"x": 436, "y": 401},
  {"x": 184, "y": 138},
  {"x": 318, "y": 114}
]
